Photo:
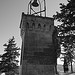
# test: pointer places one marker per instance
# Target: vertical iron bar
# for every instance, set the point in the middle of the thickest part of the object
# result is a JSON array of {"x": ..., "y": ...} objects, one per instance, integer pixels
[
  {"x": 40, "y": 7},
  {"x": 45, "y": 7},
  {"x": 30, "y": 7}
]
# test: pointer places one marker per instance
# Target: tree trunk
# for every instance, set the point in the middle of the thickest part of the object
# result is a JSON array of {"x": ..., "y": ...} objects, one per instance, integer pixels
[
  {"x": 56, "y": 69},
  {"x": 71, "y": 67}
]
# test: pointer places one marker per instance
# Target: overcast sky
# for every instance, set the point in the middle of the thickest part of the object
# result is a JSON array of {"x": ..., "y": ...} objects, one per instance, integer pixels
[{"x": 10, "y": 17}]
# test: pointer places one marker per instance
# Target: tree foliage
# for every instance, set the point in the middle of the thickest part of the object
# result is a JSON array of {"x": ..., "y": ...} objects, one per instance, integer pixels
[
  {"x": 9, "y": 61},
  {"x": 67, "y": 29}
]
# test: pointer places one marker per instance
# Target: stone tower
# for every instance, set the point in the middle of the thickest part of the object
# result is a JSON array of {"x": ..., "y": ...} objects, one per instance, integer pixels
[{"x": 38, "y": 53}]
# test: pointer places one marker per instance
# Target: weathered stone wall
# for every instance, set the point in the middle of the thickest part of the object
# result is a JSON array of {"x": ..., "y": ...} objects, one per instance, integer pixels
[
  {"x": 38, "y": 55},
  {"x": 36, "y": 69}
]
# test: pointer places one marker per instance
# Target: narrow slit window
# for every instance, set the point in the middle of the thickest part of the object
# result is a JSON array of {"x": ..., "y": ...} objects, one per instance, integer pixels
[
  {"x": 39, "y": 25},
  {"x": 27, "y": 25},
  {"x": 44, "y": 25},
  {"x": 33, "y": 25},
  {"x": 50, "y": 27}
]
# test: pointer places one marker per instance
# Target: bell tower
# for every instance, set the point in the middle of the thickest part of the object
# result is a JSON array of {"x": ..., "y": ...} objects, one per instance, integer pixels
[
  {"x": 35, "y": 8},
  {"x": 38, "y": 52}
]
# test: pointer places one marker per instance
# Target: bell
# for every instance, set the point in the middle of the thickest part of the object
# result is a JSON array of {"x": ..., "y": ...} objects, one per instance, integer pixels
[{"x": 35, "y": 4}]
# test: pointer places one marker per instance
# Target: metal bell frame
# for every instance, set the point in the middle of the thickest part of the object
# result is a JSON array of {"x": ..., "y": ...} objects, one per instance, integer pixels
[{"x": 30, "y": 8}]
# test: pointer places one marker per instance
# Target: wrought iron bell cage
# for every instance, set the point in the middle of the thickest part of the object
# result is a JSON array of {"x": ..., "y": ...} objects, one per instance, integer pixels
[{"x": 36, "y": 3}]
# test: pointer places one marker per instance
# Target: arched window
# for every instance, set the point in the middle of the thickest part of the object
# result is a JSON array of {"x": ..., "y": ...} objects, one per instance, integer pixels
[
  {"x": 33, "y": 25},
  {"x": 39, "y": 25},
  {"x": 44, "y": 25},
  {"x": 50, "y": 27},
  {"x": 27, "y": 25}
]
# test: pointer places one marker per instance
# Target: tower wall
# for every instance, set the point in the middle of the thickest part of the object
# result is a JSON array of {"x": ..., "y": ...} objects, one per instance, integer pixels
[{"x": 38, "y": 55}]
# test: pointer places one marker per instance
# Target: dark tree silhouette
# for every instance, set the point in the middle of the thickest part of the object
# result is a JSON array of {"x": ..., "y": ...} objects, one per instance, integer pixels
[
  {"x": 9, "y": 61},
  {"x": 65, "y": 65},
  {"x": 67, "y": 29}
]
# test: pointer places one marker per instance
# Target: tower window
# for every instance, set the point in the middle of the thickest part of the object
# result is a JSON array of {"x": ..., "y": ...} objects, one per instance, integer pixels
[
  {"x": 27, "y": 25},
  {"x": 50, "y": 27},
  {"x": 39, "y": 25},
  {"x": 33, "y": 25},
  {"x": 44, "y": 25}
]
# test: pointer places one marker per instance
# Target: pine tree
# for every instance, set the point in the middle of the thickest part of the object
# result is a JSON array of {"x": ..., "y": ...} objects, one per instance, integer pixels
[
  {"x": 9, "y": 61},
  {"x": 67, "y": 29}
]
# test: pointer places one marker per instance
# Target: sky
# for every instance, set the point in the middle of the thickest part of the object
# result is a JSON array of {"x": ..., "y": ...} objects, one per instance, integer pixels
[{"x": 10, "y": 17}]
